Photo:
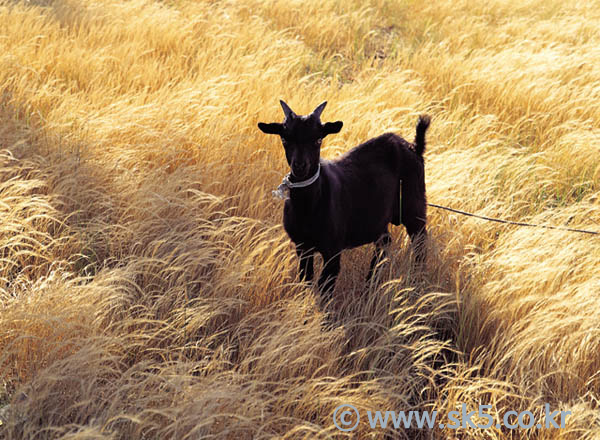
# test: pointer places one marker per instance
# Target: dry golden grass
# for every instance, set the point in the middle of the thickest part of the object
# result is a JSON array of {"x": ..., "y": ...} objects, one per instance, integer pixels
[{"x": 147, "y": 288}]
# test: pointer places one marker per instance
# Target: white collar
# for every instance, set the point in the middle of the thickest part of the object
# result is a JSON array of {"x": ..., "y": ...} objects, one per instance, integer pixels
[{"x": 282, "y": 190}]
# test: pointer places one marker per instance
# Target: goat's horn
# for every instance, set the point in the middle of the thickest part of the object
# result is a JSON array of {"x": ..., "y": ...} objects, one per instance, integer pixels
[
  {"x": 317, "y": 112},
  {"x": 287, "y": 111}
]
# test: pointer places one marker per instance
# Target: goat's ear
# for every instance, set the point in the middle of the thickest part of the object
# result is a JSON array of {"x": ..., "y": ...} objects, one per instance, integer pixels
[
  {"x": 332, "y": 127},
  {"x": 272, "y": 128}
]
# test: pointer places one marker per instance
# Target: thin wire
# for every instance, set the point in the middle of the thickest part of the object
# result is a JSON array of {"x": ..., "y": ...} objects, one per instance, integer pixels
[{"x": 509, "y": 222}]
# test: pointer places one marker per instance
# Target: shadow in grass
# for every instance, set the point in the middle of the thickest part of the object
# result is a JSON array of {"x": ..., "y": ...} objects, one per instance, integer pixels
[{"x": 400, "y": 327}]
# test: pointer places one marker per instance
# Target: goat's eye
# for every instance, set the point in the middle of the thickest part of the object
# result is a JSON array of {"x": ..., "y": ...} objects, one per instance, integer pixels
[{"x": 319, "y": 141}]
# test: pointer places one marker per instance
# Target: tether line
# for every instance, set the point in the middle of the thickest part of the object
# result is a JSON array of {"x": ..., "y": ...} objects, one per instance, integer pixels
[{"x": 509, "y": 222}]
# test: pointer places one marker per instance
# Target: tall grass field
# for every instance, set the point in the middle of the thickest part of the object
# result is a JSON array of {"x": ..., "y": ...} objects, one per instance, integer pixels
[{"x": 148, "y": 289}]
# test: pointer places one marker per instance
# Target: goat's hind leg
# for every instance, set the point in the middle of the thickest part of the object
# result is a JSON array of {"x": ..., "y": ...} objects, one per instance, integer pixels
[
  {"x": 381, "y": 246},
  {"x": 414, "y": 214},
  {"x": 417, "y": 231}
]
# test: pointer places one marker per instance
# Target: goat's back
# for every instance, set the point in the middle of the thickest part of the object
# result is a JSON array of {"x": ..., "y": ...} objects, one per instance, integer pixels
[{"x": 365, "y": 187}]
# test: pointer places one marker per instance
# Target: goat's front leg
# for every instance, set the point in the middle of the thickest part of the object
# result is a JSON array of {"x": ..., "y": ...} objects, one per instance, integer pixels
[
  {"x": 381, "y": 246},
  {"x": 306, "y": 263},
  {"x": 331, "y": 269}
]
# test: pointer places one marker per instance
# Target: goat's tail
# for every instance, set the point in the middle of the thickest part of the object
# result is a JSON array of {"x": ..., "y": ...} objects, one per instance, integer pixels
[{"x": 422, "y": 126}]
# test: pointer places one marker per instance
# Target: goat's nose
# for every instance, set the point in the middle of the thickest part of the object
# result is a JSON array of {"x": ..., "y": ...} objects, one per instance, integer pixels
[{"x": 300, "y": 167}]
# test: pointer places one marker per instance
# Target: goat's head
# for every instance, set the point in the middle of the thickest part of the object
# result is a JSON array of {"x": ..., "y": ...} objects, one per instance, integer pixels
[{"x": 301, "y": 137}]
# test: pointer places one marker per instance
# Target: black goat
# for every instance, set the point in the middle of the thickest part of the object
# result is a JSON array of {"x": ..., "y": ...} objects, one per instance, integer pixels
[{"x": 336, "y": 205}]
